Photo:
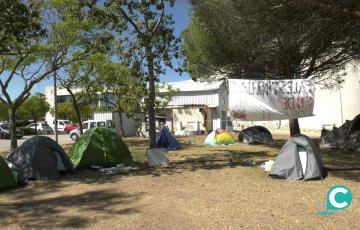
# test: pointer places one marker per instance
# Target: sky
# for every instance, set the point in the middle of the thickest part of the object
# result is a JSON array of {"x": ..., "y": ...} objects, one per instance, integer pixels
[{"x": 181, "y": 16}]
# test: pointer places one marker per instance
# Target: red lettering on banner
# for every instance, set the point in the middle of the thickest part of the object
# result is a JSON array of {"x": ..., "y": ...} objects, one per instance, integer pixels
[{"x": 292, "y": 103}]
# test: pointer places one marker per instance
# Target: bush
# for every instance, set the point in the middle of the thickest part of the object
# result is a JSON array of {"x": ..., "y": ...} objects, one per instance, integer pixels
[{"x": 28, "y": 131}]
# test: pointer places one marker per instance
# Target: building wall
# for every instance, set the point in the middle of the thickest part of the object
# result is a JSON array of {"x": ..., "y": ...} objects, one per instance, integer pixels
[
  {"x": 63, "y": 95},
  {"x": 184, "y": 116}
]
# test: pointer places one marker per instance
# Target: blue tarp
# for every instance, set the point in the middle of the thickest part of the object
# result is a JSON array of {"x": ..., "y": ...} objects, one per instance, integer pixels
[{"x": 166, "y": 140}]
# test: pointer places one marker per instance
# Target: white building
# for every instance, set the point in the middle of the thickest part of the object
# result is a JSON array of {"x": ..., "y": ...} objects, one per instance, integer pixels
[
  {"x": 202, "y": 105},
  {"x": 207, "y": 103},
  {"x": 105, "y": 101}
]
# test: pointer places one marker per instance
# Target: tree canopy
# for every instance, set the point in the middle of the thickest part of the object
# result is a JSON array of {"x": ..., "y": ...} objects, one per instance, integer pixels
[
  {"x": 35, "y": 107},
  {"x": 71, "y": 35},
  {"x": 271, "y": 39},
  {"x": 146, "y": 35},
  {"x": 278, "y": 39}
]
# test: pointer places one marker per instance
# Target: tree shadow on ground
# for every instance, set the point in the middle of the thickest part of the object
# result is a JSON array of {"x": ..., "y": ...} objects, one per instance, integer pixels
[
  {"x": 342, "y": 164},
  {"x": 210, "y": 161},
  {"x": 85, "y": 208}
]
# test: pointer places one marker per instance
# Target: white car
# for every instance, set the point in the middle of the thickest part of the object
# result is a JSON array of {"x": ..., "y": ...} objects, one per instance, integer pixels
[
  {"x": 41, "y": 128},
  {"x": 75, "y": 134},
  {"x": 60, "y": 125}
]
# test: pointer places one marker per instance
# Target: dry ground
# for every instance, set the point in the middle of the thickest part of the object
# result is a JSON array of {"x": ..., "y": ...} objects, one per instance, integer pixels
[{"x": 205, "y": 187}]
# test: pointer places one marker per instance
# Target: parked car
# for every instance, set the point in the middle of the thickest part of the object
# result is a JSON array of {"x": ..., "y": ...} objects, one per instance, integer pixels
[
  {"x": 60, "y": 125},
  {"x": 70, "y": 127},
  {"x": 40, "y": 128},
  {"x": 5, "y": 131},
  {"x": 75, "y": 134}
]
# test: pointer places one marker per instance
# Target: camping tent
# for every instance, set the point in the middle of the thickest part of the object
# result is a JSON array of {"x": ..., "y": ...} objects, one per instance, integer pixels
[
  {"x": 346, "y": 136},
  {"x": 255, "y": 134},
  {"x": 39, "y": 157},
  {"x": 166, "y": 140},
  {"x": 298, "y": 159},
  {"x": 7, "y": 179},
  {"x": 219, "y": 137},
  {"x": 101, "y": 147}
]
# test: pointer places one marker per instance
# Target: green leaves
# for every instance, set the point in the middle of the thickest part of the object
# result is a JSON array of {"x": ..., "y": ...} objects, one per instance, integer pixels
[
  {"x": 19, "y": 23},
  {"x": 35, "y": 107},
  {"x": 271, "y": 39}
]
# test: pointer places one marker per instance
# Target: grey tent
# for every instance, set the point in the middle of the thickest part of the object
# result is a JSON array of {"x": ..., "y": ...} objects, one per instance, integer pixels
[
  {"x": 256, "y": 134},
  {"x": 39, "y": 157},
  {"x": 298, "y": 159}
]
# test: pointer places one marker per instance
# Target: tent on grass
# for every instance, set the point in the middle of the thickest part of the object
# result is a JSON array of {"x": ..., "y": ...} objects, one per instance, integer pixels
[
  {"x": 166, "y": 140},
  {"x": 255, "y": 134},
  {"x": 39, "y": 157},
  {"x": 7, "y": 179},
  {"x": 219, "y": 137},
  {"x": 101, "y": 147},
  {"x": 298, "y": 159}
]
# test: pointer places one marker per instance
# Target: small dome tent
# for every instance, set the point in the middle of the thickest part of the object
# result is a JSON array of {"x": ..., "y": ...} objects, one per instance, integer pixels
[
  {"x": 166, "y": 140},
  {"x": 219, "y": 137},
  {"x": 7, "y": 179},
  {"x": 255, "y": 134},
  {"x": 298, "y": 159},
  {"x": 101, "y": 147},
  {"x": 39, "y": 157}
]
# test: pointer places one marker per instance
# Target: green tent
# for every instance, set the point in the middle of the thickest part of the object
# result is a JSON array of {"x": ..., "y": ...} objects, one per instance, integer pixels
[
  {"x": 7, "y": 179},
  {"x": 101, "y": 147}
]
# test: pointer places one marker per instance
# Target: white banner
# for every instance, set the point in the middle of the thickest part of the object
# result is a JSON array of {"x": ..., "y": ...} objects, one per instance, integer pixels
[{"x": 266, "y": 100}]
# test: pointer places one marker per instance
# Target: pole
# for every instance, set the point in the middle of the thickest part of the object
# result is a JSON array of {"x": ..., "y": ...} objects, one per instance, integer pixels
[
  {"x": 341, "y": 107},
  {"x": 55, "y": 108}
]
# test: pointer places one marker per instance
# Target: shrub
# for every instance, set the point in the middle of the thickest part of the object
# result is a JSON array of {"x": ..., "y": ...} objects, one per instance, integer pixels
[{"x": 28, "y": 131}]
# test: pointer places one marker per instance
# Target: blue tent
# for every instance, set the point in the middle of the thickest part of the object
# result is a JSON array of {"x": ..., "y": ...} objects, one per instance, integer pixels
[{"x": 166, "y": 140}]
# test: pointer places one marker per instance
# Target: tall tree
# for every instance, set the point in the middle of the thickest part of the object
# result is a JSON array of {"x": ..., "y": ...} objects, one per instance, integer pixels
[
  {"x": 125, "y": 84},
  {"x": 147, "y": 37},
  {"x": 279, "y": 39},
  {"x": 66, "y": 110},
  {"x": 79, "y": 81},
  {"x": 35, "y": 107},
  {"x": 69, "y": 38}
]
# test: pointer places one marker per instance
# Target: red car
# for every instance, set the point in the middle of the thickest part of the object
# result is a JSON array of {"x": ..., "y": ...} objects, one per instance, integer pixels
[{"x": 70, "y": 127}]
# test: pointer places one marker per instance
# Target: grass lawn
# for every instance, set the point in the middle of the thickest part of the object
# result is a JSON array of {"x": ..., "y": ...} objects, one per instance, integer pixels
[{"x": 204, "y": 187}]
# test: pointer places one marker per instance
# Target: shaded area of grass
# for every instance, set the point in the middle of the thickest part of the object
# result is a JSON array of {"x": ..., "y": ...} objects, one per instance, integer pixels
[
  {"x": 46, "y": 213},
  {"x": 341, "y": 164},
  {"x": 44, "y": 204}
]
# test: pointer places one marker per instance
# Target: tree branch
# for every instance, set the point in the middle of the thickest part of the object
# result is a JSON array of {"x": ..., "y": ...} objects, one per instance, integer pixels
[
  {"x": 127, "y": 17},
  {"x": 160, "y": 19}
]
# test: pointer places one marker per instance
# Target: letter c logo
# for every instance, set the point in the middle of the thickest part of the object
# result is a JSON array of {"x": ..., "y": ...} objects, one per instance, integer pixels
[{"x": 338, "y": 198}]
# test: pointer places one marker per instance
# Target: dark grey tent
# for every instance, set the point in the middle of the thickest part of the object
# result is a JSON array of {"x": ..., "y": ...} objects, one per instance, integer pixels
[
  {"x": 346, "y": 136},
  {"x": 298, "y": 159},
  {"x": 256, "y": 134},
  {"x": 39, "y": 157}
]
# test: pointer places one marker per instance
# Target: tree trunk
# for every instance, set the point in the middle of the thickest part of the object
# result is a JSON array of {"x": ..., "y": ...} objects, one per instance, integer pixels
[
  {"x": 151, "y": 100},
  {"x": 121, "y": 124},
  {"x": 78, "y": 116},
  {"x": 294, "y": 127},
  {"x": 77, "y": 110},
  {"x": 12, "y": 130},
  {"x": 35, "y": 122}
]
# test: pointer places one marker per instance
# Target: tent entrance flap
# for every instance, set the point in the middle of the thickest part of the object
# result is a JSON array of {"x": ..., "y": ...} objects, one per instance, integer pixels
[{"x": 303, "y": 160}]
